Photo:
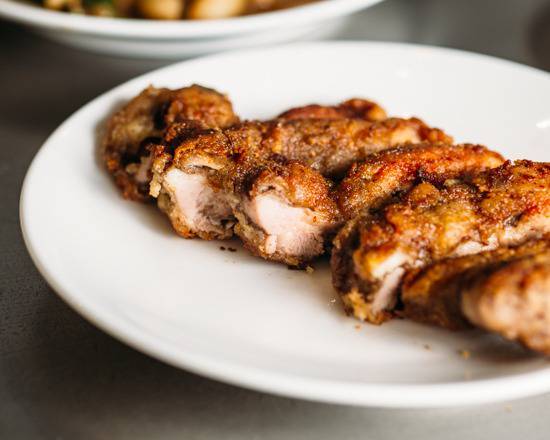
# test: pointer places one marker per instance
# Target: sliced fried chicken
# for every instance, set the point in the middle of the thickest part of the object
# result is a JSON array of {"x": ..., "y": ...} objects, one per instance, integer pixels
[
  {"x": 144, "y": 119},
  {"x": 505, "y": 291},
  {"x": 284, "y": 211},
  {"x": 355, "y": 108},
  {"x": 503, "y": 206},
  {"x": 386, "y": 175},
  {"x": 247, "y": 150}
]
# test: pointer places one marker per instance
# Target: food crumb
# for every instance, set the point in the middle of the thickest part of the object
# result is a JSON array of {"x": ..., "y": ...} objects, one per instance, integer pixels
[
  {"x": 464, "y": 353},
  {"x": 310, "y": 269},
  {"x": 357, "y": 326},
  {"x": 508, "y": 408},
  {"x": 468, "y": 375},
  {"x": 222, "y": 248},
  {"x": 427, "y": 347},
  {"x": 230, "y": 249}
]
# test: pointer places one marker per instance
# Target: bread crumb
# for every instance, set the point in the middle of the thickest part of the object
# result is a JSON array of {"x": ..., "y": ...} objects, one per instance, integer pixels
[
  {"x": 464, "y": 353},
  {"x": 357, "y": 326},
  {"x": 310, "y": 269},
  {"x": 508, "y": 408}
]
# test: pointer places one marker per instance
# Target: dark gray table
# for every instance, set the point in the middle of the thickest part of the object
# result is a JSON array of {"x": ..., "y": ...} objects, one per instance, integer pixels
[{"x": 61, "y": 378}]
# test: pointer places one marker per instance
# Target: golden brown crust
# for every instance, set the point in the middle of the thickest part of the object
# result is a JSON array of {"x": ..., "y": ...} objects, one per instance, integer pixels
[
  {"x": 329, "y": 146},
  {"x": 144, "y": 119},
  {"x": 355, "y": 108},
  {"x": 392, "y": 172},
  {"x": 502, "y": 206}
]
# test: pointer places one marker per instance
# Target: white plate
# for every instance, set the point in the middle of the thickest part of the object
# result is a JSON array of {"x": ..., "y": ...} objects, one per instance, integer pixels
[
  {"x": 239, "y": 319},
  {"x": 182, "y": 38}
]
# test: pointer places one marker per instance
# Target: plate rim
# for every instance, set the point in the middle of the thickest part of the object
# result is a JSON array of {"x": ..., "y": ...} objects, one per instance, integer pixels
[
  {"x": 513, "y": 386},
  {"x": 32, "y": 15}
]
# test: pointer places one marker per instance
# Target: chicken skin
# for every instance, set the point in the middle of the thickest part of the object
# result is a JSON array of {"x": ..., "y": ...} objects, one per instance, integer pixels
[
  {"x": 355, "y": 108},
  {"x": 384, "y": 176},
  {"x": 211, "y": 161},
  {"x": 503, "y": 206},
  {"x": 144, "y": 120},
  {"x": 505, "y": 291}
]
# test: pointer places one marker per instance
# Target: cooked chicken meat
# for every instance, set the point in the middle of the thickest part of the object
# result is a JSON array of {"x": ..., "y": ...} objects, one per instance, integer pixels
[
  {"x": 218, "y": 158},
  {"x": 433, "y": 294},
  {"x": 284, "y": 211},
  {"x": 503, "y": 206},
  {"x": 505, "y": 291},
  {"x": 355, "y": 108},
  {"x": 144, "y": 119},
  {"x": 513, "y": 301},
  {"x": 384, "y": 176}
]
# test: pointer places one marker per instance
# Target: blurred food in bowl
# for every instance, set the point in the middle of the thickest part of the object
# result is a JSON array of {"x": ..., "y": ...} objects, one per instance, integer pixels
[{"x": 170, "y": 9}]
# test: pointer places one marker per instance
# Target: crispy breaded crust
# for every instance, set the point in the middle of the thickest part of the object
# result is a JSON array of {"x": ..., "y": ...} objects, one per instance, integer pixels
[
  {"x": 143, "y": 120},
  {"x": 329, "y": 146},
  {"x": 390, "y": 173},
  {"x": 500, "y": 207},
  {"x": 355, "y": 108}
]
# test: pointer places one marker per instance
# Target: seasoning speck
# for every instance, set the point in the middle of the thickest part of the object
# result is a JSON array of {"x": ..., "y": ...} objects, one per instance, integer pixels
[
  {"x": 464, "y": 353},
  {"x": 222, "y": 248},
  {"x": 427, "y": 347},
  {"x": 230, "y": 249}
]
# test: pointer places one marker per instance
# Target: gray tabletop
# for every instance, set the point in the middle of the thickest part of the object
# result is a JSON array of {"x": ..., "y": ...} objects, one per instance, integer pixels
[{"x": 62, "y": 378}]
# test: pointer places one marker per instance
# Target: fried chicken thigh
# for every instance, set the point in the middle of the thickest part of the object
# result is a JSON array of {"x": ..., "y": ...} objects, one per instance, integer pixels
[
  {"x": 212, "y": 161},
  {"x": 505, "y": 291},
  {"x": 503, "y": 206},
  {"x": 144, "y": 119},
  {"x": 385, "y": 176}
]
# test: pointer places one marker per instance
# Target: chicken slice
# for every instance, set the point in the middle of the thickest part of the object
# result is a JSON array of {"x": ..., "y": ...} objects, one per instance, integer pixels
[
  {"x": 386, "y": 175},
  {"x": 505, "y": 291},
  {"x": 192, "y": 194},
  {"x": 355, "y": 108},
  {"x": 503, "y": 206},
  {"x": 284, "y": 211},
  {"x": 144, "y": 119}
]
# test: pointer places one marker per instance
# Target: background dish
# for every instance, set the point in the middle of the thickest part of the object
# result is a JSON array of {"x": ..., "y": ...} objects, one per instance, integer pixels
[
  {"x": 177, "y": 39},
  {"x": 239, "y": 319}
]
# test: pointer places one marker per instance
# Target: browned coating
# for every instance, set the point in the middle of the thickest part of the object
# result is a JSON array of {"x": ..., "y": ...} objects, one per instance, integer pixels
[
  {"x": 144, "y": 119},
  {"x": 433, "y": 294},
  {"x": 355, "y": 108},
  {"x": 390, "y": 173},
  {"x": 329, "y": 146},
  {"x": 502, "y": 206}
]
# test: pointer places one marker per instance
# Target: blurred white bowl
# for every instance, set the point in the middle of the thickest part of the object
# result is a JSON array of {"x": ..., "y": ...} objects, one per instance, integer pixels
[{"x": 182, "y": 38}]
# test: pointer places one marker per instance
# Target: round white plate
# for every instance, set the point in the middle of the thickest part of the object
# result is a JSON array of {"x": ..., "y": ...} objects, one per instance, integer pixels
[
  {"x": 182, "y": 38},
  {"x": 239, "y": 319}
]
